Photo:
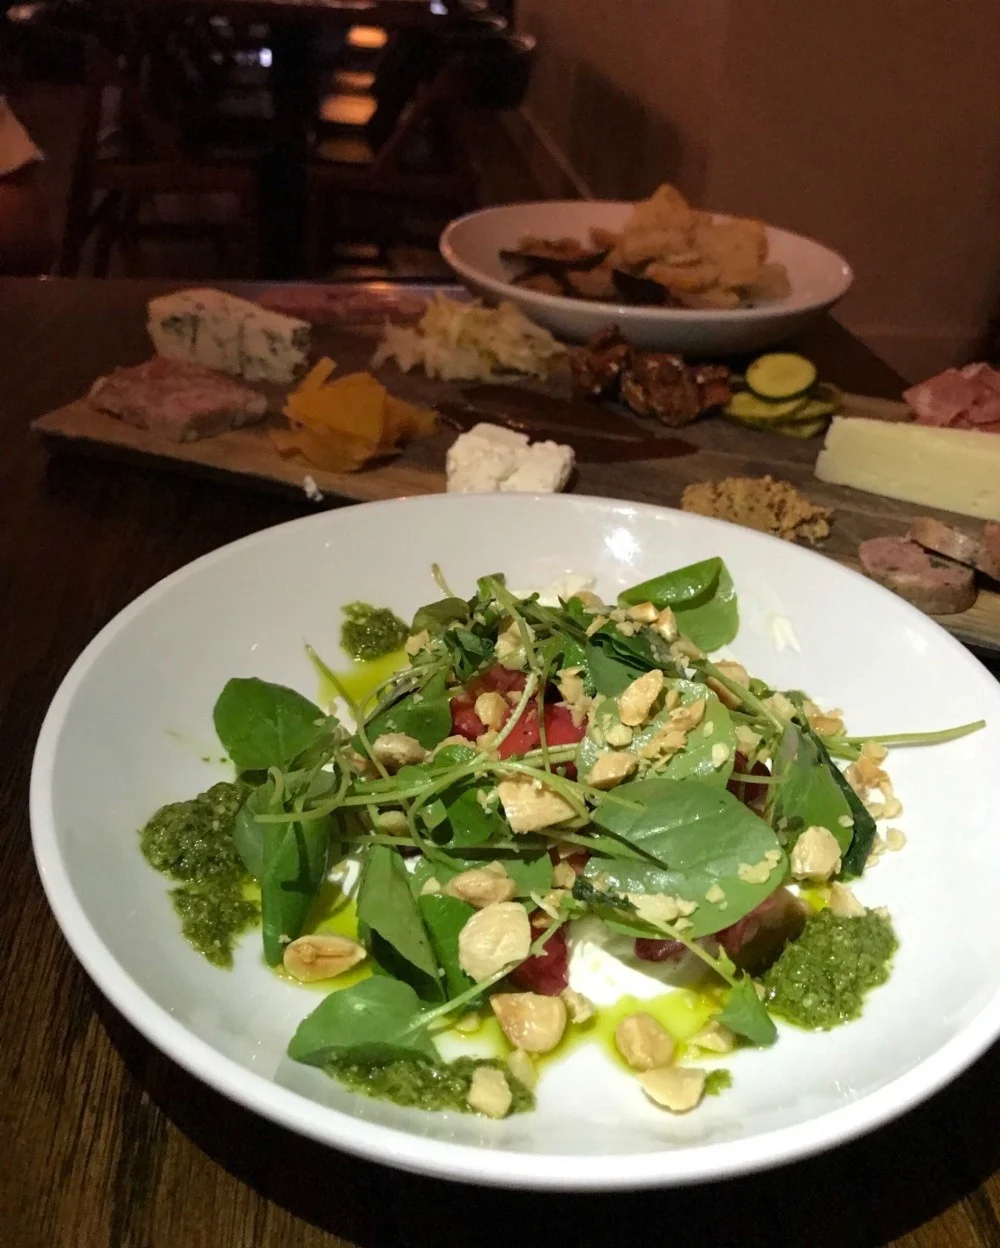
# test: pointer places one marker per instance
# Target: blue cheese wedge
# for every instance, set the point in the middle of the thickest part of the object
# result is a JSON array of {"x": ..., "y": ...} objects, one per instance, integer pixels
[
  {"x": 232, "y": 335},
  {"x": 490, "y": 459}
]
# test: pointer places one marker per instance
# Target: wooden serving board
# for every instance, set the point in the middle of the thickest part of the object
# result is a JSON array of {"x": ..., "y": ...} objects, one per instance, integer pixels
[{"x": 723, "y": 450}]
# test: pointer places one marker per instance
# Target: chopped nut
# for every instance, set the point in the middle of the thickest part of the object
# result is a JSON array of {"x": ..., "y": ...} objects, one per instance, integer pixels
[
  {"x": 720, "y": 754},
  {"x": 760, "y": 503},
  {"x": 714, "y": 1037},
  {"x": 493, "y": 938},
  {"x": 563, "y": 875},
  {"x": 781, "y": 706},
  {"x": 688, "y": 716},
  {"x": 431, "y": 887},
  {"x": 844, "y": 904},
  {"x": 397, "y": 749},
  {"x": 510, "y": 646},
  {"x": 489, "y": 1093},
  {"x": 643, "y": 613},
  {"x": 627, "y": 628},
  {"x": 482, "y": 886},
  {"x": 636, "y": 700},
  {"x": 578, "y": 1007},
  {"x": 530, "y": 1021},
  {"x": 746, "y": 740},
  {"x": 486, "y": 741},
  {"x": 610, "y": 769},
  {"x": 877, "y": 850},
  {"x": 815, "y": 855},
  {"x": 522, "y": 1068},
  {"x": 895, "y": 838},
  {"x": 643, "y": 1043},
  {"x": 617, "y": 734},
  {"x": 875, "y": 751},
  {"x": 677, "y": 1088},
  {"x": 666, "y": 625},
  {"x": 417, "y": 642},
  {"x": 392, "y": 821},
  {"x": 735, "y": 672},
  {"x": 715, "y": 894},
  {"x": 468, "y": 1023},
  {"x": 530, "y": 806},
  {"x": 684, "y": 648},
  {"x": 321, "y": 956},
  {"x": 596, "y": 624},
  {"x": 660, "y": 907},
  {"x": 492, "y": 709}
]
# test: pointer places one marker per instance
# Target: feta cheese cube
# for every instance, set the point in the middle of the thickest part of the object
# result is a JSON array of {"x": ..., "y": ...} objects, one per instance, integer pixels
[{"x": 490, "y": 458}]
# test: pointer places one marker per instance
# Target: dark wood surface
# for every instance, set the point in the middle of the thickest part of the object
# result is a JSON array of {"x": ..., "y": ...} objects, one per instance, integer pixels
[{"x": 106, "y": 1144}]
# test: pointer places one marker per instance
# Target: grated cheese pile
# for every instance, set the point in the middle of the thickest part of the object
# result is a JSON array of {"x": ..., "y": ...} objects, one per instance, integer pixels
[{"x": 469, "y": 342}]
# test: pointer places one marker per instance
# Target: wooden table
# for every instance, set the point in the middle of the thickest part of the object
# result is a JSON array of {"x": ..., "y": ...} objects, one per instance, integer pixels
[{"x": 107, "y": 1144}]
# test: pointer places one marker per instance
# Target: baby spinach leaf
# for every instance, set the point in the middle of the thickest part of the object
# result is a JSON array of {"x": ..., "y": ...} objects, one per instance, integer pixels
[
  {"x": 425, "y": 715},
  {"x": 435, "y": 617},
  {"x": 607, "y": 673},
  {"x": 444, "y": 917},
  {"x": 702, "y": 597},
  {"x": 704, "y": 835},
  {"x": 248, "y": 833},
  {"x": 530, "y": 873},
  {"x": 294, "y": 867},
  {"x": 470, "y": 822},
  {"x": 745, "y": 1014},
  {"x": 854, "y": 860},
  {"x": 808, "y": 793},
  {"x": 262, "y": 725},
  {"x": 376, "y": 1020},
  {"x": 388, "y": 913}
]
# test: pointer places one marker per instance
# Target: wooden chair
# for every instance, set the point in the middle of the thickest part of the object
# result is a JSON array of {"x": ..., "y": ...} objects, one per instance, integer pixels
[{"x": 139, "y": 158}]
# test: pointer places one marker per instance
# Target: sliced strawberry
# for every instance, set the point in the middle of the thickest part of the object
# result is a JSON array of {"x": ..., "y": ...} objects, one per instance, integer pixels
[
  {"x": 497, "y": 679},
  {"x": 559, "y": 730},
  {"x": 464, "y": 720},
  {"x": 548, "y": 972}
]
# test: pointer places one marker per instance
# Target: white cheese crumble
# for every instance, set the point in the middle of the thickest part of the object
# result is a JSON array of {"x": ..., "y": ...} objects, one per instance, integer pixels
[{"x": 490, "y": 459}]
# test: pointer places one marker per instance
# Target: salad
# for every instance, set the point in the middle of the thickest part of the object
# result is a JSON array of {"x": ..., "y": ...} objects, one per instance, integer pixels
[{"x": 535, "y": 779}]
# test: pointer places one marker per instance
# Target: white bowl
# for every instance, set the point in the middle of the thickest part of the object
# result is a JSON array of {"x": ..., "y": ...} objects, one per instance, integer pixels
[
  {"x": 472, "y": 244},
  {"x": 131, "y": 728}
]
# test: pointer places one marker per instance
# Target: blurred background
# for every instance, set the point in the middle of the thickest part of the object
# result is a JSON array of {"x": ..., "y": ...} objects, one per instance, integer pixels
[{"x": 325, "y": 140}]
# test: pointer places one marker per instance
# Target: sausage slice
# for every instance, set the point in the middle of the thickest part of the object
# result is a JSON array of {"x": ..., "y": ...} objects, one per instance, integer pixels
[
  {"x": 944, "y": 540},
  {"x": 989, "y": 554},
  {"x": 933, "y": 585}
]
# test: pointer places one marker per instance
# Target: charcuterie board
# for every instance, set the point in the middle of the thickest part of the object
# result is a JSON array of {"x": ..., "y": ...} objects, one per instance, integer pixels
[{"x": 716, "y": 449}]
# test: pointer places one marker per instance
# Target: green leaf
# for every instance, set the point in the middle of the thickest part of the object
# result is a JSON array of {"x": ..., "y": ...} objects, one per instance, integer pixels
[
  {"x": 262, "y": 725},
  {"x": 808, "y": 793},
  {"x": 248, "y": 833},
  {"x": 294, "y": 864},
  {"x": 444, "y": 917},
  {"x": 469, "y": 652},
  {"x": 376, "y": 1020},
  {"x": 854, "y": 860},
  {"x": 608, "y": 674},
  {"x": 435, "y": 617},
  {"x": 702, "y": 597},
  {"x": 530, "y": 873},
  {"x": 387, "y": 909},
  {"x": 745, "y": 1014},
  {"x": 425, "y": 715},
  {"x": 704, "y": 835},
  {"x": 470, "y": 822}
]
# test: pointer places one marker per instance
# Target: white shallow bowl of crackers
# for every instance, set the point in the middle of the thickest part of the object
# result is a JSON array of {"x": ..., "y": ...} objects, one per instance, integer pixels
[{"x": 726, "y": 284}]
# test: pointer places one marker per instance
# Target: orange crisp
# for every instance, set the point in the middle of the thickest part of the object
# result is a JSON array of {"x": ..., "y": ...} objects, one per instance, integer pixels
[{"x": 341, "y": 425}]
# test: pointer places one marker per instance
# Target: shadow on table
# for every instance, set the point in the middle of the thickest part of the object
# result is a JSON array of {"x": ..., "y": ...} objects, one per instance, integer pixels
[{"x": 864, "y": 1194}]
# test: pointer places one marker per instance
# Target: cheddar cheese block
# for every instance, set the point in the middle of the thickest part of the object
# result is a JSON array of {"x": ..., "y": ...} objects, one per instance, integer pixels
[{"x": 954, "y": 469}]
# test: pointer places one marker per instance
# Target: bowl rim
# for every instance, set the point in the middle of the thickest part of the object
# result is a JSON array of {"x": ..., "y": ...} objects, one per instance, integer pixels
[
  {"x": 568, "y": 304},
  {"x": 398, "y": 1147}
]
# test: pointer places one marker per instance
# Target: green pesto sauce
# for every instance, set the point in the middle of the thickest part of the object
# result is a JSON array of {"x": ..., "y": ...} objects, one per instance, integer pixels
[
  {"x": 371, "y": 632},
  {"x": 718, "y": 1081},
  {"x": 821, "y": 978},
  {"x": 193, "y": 842},
  {"x": 419, "y": 1084}
]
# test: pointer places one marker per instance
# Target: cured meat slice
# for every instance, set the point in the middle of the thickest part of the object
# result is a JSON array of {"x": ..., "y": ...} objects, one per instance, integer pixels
[
  {"x": 933, "y": 585},
  {"x": 176, "y": 400},
  {"x": 989, "y": 554},
  {"x": 941, "y": 400},
  {"x": 944, "y": 540}
]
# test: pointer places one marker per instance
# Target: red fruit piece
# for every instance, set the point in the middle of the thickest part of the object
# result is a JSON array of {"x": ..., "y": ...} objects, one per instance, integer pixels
[
  {"x": 559, "y": 730},
  {"x": 464, "y": 720},
  {"x": 659, "y": 950},
  {"x": 497, "y": 679},
  {"x": 749, "y": 794},
  {"x": 548, "y": 972}
]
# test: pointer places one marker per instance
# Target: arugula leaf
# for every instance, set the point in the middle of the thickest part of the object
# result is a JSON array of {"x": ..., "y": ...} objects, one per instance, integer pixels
[
  {"x": 435, "y": 617},
  {"x": 745, "y": 1014},
  {"x": 376, "y": 1020},
  {"x": 263, "y": 725},
  {"x": 704, "y": 835},
  {"x": 469, "y": 652},
  {"x": 702, "y": 597},
  {"x": 808, "y": 793},
  {"x": 425, "y": 715},
  {"x": 388, "y": 915},
  {"x": 294, "y": 863},
  {"x": 444, "y": 917}
]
